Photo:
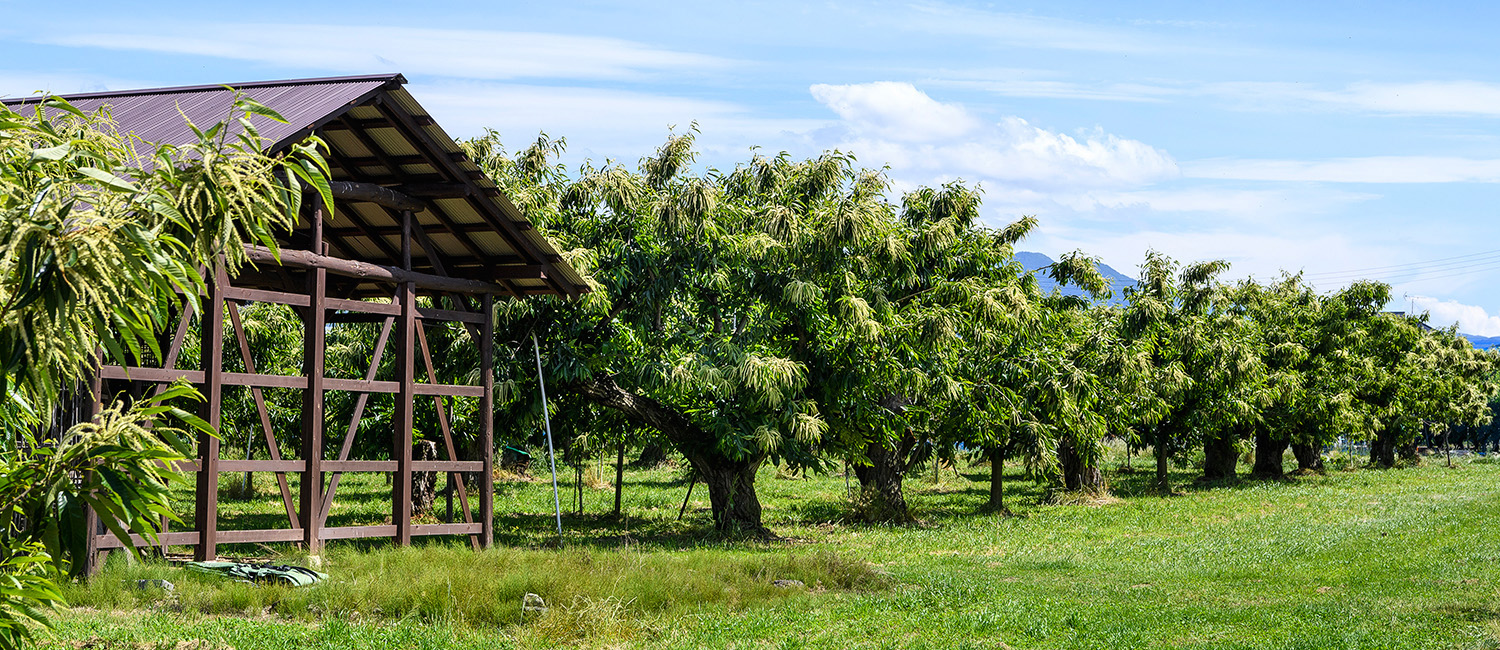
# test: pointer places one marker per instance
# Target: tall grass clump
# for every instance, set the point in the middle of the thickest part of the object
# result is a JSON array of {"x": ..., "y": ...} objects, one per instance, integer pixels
[{"x": 454, "y": 585}]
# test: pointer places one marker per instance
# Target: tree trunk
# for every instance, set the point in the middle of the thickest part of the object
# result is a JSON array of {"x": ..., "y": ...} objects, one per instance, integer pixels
[
  {"x": 731, "y": 493},
  {"x": 1221, "y": 456},
  {"x": 1309, "y": 457},
  {"x": 1383, "y": 449},
  {"x": 1077, "y": 473},
  {"x": 730, "y": 481},
  {"x": 1268, "y": 453},
  {"x": 1162, "y": 448},
  {"x": 423, "y": 484},
  {"x": 652, "y": 454},
  {"x": 997, "y": 481},
  {"x": 1408, "y": 451},
  {"x": 881, "y": 480}
]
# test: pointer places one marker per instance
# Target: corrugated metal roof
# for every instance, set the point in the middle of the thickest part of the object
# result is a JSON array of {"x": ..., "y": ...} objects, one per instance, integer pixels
[
  {"x": 377, "y": 133},
  {"x": 153, "y": 114}
]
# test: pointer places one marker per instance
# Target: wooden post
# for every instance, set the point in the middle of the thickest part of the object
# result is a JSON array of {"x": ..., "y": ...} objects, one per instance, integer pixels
[
  {"x": 93, "y": 559},
  {"x": 405, "y": 397},
  {"x": 487, "y": 423},
  {"x": 310, "y": 502},
  {"x": 619, "y": 477},
  {"x": 212, "y": 337}
]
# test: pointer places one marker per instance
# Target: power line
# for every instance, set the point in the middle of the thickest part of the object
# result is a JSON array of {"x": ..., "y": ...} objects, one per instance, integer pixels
[
  {"x": 1441, "y": 262},
  {"x": 1416, "y": 275}
]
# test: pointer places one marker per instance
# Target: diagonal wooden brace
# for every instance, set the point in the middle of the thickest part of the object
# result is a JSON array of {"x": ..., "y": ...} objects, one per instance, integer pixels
[{"x": 265, "y": 416}]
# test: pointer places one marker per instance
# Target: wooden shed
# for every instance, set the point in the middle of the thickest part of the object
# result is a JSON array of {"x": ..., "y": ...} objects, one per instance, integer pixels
[{"x": 413, "y": 218}]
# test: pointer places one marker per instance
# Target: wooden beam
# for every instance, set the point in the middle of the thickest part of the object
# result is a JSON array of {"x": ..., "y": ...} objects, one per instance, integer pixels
[
  {"x": 261, "y": 295},
  {"x": 446, "y": 390},
  {"x": 263, "y": 381},
  {"x": 310, "y": 499},
  {"x": 360, "y": 465},
  {"x": 449, "y": 315},
  {"x": 361, "y": 385},
  {"x": 447, "y": 529},
  {"x": 485, "y": 208},
  {"x": 280, "y": 467},
  {"x": 370, "y": 272},
  {"x": 136, "y": 373},
  {"x": 435, "y": 256},
  {"x": 363, "y": 306},
  {"x": 357, "y": 532},
  {"x": 446, "y": 465},
  {"x": 377, "y": 194},
  {"x": 487, "y": 423},
  {"x": 401, "y": 438},
  {"x": 206, "y": 502},
  {"x": 373, "y": 123}
]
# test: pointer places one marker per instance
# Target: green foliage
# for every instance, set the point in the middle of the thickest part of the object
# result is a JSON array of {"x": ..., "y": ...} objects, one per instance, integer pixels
[{"x": 99, "y": 235}]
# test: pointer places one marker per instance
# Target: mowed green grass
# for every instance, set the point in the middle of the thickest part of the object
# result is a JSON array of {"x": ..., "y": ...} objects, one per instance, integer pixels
[{"x": 1404, "y": 558}]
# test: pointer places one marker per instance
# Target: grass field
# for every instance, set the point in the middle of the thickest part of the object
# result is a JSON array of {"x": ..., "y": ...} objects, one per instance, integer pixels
[{"x": 1367, "y": 559}]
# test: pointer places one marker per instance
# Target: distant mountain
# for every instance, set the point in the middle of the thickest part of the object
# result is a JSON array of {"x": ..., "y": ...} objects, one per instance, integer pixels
[
  {"x": 1117, "y": 280},
  {"x": 1482, "y": 342}
]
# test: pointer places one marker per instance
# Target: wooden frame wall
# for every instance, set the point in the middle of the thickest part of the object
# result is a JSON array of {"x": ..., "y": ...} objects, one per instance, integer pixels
[{"x": 402, "y": 317}]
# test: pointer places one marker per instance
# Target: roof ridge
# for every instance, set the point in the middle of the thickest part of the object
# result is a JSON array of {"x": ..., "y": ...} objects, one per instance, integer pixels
[{"x": 388, "y": 76}]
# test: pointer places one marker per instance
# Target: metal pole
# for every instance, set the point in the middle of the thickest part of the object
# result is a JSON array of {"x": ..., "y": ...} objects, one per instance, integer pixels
[{"x": 547, "y": 420}]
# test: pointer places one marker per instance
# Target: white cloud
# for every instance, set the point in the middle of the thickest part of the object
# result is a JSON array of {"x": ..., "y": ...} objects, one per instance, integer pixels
[
  {"x": 1019, "y": 30},
  {"x": 475, "y": 54},
  {"x": 1035, "y": 83},
  {"x": 1260, "y": 205},
  {"x": 1053, "y": 89},
  {"x": 598, "y": 123},
  {"x": 1471, "y": 319},
  {"x": 1462, "y": 98},
  {"x": 1372, "y": 169},
  {"x": 895, "y": 111},
  {"x": 896, "y": 123},
  {"x": 1455, "y": 98}
]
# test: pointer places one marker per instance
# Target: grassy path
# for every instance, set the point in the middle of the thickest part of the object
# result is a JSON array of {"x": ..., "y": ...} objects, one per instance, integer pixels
[{"x": 1396, "y": 559}]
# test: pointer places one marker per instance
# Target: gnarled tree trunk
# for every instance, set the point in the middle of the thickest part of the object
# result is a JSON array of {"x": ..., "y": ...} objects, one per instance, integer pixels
[
  {"x": 1309, "y": 457},
  {"x": 1268, "y": 455},
  {"x": 423, "y": 484},
  {"x": 1221, "y": 456},
  {"x": 1078, "y": 474},
  {"x": 730, "y": 481},
  {"x": 881, "y": 480}
]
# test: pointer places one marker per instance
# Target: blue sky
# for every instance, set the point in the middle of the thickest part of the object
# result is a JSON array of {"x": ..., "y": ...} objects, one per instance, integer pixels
[{"x": 1341, "y": 139}]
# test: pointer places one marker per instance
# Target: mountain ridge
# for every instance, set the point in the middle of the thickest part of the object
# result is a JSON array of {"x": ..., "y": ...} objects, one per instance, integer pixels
[{"x": 1037, "y": 262}]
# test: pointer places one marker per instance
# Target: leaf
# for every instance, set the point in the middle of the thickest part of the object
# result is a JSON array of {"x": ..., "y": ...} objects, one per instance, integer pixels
[
  {"x": 63, "y": 105},
  {"x": 109, "y": 180},
  {"x": 52, "y": 153},
  {"x": 247, "y": 104}
]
